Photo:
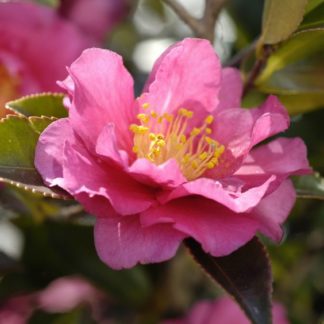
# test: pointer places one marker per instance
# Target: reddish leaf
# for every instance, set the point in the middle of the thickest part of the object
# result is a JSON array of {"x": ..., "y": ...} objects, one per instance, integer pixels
[{"x": 245, "y": 274}]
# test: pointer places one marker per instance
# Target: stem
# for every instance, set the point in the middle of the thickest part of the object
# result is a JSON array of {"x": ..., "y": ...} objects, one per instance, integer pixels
[{"x": 205, "y": 27}]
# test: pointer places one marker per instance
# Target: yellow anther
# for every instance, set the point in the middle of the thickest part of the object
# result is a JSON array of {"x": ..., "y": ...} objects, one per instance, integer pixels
[
  {"x": 160, "y": 136},
  {"x": 209, "y": 119},
  {"x": 208, "y": 130},
  {"x": 135, "y": 149},
  {"x": 183, "y": 138},
  {"x": 185, "y": 112},
  {"x": 203, "y": 156},
  {"x": 143, "y": 118},
  {"x": 210, "y": 165},
  {"x": 145, "y": 105},
  {"x": 152, "y": 137},
  {"x": 208, "y": 140},
  {"x": 196, "y": 131},
  {"x": 168, "y": 117},
  {"x": 153, "y": 114},
  {"x": 136, "y": 129},
  {"x": 186, "y": 158},
  {"x": 194, "y": 165}
]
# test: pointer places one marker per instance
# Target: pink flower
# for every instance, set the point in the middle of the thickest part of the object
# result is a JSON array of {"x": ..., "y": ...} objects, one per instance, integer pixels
[
  {"x": 35, "y": 47},
  {"x": 95, "y": 17},
  {"x": 60, "y": 296},
  {"x": 179, "y": 161},
  {"x": 224, "y": 311}
]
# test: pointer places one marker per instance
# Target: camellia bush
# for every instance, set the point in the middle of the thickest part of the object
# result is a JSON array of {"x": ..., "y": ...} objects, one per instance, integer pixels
[{"x": 160, "y": 161}]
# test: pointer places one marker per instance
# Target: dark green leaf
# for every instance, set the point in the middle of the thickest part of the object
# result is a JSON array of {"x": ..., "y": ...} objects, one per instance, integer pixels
[
  {"x": 18, "y": 140},
  {"x": 245, "y": 274},
  {"x": 44, "y": 104}
]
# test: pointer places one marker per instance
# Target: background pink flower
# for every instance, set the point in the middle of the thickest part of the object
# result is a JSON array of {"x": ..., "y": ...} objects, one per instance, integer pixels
[
  {"x": 180, "y": 161},
  {"x": 95, "y": 17},
  {"x": 224, "y": 311},
  {"x": 36, "y": 45},
  {"x": 60, "y": 296}
]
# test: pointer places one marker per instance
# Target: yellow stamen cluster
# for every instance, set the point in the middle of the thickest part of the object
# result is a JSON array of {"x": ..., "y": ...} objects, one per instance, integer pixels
[{"x": 162, "y": 137}]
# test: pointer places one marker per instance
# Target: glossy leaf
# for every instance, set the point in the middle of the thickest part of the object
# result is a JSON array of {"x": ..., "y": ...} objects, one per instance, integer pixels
[
  {"x": 299, "y": 47},
  {"x": 245, "y": 274},
  {"x": 310, "y": 186},
  {"x": 18, "y": 140},
  {"x": 295, "y": 72},
  {"x": 280, "y": 19},
  {"x": 44, "y": 104}
]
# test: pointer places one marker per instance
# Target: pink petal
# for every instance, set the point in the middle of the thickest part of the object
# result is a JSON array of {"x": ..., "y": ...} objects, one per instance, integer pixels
[
  {"x": 240, "y": 129},
  {"x": 282, "y": 157},
  {"x": 231, "y": 90},
  {"x": 186, "y": 75},
  {"x": 270, "y": 118},
  {"x": 107, "y": 146},
  {"x": 219, "y": 230},
  {"x": 49, "y": 151},
  {"x": 235, "y": 200},
  {"x": 167, "y": 175},
  {"x": 122, "y": 242},
  {"x": 273, "y": 210},
  {"x": 103, "y": 93},
  {"x": 85, "y": 174}
]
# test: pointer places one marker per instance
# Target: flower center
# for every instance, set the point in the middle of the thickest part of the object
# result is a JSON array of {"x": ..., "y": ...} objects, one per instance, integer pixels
[
  {"x": 8, "y": 89},
  {"x": 162, "y": 137}
]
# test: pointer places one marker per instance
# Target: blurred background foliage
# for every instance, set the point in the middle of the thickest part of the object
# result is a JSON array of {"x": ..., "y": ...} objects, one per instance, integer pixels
[{"x": 43, "y": 239}]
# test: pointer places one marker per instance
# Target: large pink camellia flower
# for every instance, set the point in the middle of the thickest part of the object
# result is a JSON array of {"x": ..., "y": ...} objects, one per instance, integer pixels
[
  {"x": 179, "y": 161},
  {"x": 224, "y": 311},
  {"x": 35, "y": 47}
]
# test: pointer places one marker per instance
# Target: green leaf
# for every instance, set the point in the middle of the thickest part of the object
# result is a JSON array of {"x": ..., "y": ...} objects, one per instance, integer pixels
[
  {"x": 312, "y": 4},
  {"x": 295, "y": 71},
  {"x": 280, "y": 19},
  {"x": 310, "y": 186},
  {"x": 44, "y": 104},
  {"x": 245, "y": 274},
  {"x": 299, "y": 47},
  {"x": 18, "y": 140},
  {"x": 314, "y": 18},
  {"x": 40, "y": 123}
]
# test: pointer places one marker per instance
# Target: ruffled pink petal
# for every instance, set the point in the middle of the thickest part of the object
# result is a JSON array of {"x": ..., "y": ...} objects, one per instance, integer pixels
[
  {"x": 103, "y": 93},
  {"x": 219, "y": 230},
  {"x": 283, "y": 157},
  {"x": 49, "y": 151},
  {"x": 240, "y": 129},
  {"x": 187, "y": 75},
  {"x": 232, "y": 198},
  {"x": 270, "y": 118},
  {"x": 273, "y": 210},
  {"x": 167, "y": 175},
  {"x": 84, "y": 174},
  {"x": 107, "y": 146},
  {"x": 231, "y": 90},
  {"x": 122, "y": 242}
]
